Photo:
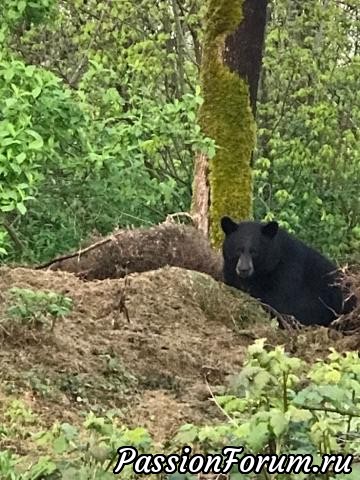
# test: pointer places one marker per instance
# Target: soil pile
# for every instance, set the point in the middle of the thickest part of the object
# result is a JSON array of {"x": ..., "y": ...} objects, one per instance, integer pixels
[{"x": 143, "y": 344}]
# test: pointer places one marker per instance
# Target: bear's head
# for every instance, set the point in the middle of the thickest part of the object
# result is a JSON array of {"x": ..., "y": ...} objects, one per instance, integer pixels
[{"x": 251, "y": 247}]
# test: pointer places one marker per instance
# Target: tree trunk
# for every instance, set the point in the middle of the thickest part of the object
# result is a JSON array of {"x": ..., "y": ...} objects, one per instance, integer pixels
[{"x": 231, "y": 64}]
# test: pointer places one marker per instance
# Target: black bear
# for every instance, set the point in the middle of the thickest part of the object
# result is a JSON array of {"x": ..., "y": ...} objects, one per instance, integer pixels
[{"x": 281, "y": 271}]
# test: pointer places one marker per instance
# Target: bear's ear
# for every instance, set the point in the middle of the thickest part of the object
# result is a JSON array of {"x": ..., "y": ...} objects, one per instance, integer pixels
[
  {"x": 228, "y": 225},
  {"x": 270, "y": 229}
]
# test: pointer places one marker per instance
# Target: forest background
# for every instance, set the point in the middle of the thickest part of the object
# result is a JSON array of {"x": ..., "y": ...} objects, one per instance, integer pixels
[{"x": 98, "y": 122}]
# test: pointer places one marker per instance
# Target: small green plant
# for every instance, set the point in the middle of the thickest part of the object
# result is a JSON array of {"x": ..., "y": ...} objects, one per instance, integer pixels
[
  {"x": 35, "y": 309},
  {"x": 8, "y": 464},
  {"x": 17, "y": 412},
  {"x": 91, "y": 455},
  {"x": 68, "y": 451},
  {"x": 18, "y": 418}
]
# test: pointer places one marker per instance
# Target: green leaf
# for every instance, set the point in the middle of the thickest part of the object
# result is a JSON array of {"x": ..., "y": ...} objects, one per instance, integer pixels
[
  {"x": 187, "y": 434},
  {"x": 9, "y": 74},
  {"x": 278, "y": 422},
  {"x": 36, "y": 144},
  {"x": 21, "y": 157},
  {"x": 21, "y": 5},
  {"x": 299, "y": 415},
  {"x": 258, "y": 437},
  {"x": 354, "y": 475},
  {"x": 60, "y": 444},
  {"x": 21, "y": 207},
  {"x": 8, "y": 208},
  {"x": 36, "y": 92}
]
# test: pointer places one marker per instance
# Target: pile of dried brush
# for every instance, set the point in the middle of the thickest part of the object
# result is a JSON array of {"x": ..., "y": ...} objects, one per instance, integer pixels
[
  {"x": 349, "y": 323},
  {"x": 140, "y": 250}
]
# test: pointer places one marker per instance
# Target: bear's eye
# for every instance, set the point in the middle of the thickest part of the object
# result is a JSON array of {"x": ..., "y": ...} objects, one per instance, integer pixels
[{"x": 232, "y": 257}]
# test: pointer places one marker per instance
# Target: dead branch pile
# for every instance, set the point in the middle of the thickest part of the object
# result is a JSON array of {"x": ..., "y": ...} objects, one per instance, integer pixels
[
  {"x": 350, "y": 322},
  {"x": 140, "y": 250}
]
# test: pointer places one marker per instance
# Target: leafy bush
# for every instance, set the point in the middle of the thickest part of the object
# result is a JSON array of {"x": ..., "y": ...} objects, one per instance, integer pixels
[
  {"x": 71, "y": 454},
  {"x": 139, "y": 132},
  {"x": 142, "y": 168},
  {"x": 307, "y": 169},
  {"x": 278, "y": 405},
  {"x": 41, "y": 133}
]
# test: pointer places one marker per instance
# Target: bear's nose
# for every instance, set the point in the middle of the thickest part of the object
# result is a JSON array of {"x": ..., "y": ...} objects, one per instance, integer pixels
[
  {"x": 244, "y": 267},
  {"x": 244, "y": 272}
]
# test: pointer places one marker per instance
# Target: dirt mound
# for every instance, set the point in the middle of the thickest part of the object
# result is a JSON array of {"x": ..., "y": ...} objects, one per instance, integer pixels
[
  {"x": 181, "y": 326},
  {"x": 180, "y": 323},
  {"x": 141, "y": 250}
]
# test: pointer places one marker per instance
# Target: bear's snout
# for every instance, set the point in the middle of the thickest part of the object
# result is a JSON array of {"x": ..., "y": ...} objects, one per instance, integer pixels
[{"x": 244, "y": 267}]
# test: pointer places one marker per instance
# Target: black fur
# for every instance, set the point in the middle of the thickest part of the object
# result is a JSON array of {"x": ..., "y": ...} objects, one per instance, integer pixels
[{"x": 281, "y": 271}]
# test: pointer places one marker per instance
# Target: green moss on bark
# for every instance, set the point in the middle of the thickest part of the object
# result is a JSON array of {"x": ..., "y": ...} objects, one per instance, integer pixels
[{"x": 226, "y": 116}]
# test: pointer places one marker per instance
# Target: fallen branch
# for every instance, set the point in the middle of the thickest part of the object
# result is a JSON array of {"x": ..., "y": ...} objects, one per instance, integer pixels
[{"x": 78, "y": 253}]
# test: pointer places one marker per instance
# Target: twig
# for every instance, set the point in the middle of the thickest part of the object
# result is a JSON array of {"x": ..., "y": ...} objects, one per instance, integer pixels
[
  {"x": 170, "y": 218},
  {"x": 13, "y": 235},
  {"x": 120, "y": 305},
  {"x": 289, "y": 322},
  {"x": 78, "y": 253},
  {"x": 231, "y": 420},
  {"x": 76, "y": 75},
  {"x": 331, "y": 410}
]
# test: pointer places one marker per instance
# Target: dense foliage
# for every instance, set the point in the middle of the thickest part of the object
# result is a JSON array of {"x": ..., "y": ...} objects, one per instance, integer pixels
[
  {"x": 98, "y": 120},
  {"x": 132, "y": 131},
  {"x": 308, "y": 161}
]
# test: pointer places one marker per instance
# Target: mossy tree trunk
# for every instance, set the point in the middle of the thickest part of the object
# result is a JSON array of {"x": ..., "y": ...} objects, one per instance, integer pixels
[{"x": 231, "y": 64}]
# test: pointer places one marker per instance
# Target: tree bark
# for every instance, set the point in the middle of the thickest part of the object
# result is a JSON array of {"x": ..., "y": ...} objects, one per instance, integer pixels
[
  {"x": 200, "y": 195},
  {"x": 230, "y": 70}
]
